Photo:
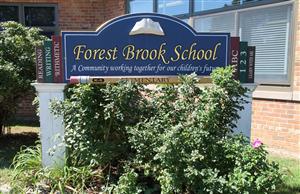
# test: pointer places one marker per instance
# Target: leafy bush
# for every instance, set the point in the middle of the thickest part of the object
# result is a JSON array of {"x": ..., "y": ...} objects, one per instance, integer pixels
[
  {"x": 175, "y": 139},
  {"x": 188, "y": 146},
  {"x": 95, "y": 119},
  {"x": 17, "y": 69}
]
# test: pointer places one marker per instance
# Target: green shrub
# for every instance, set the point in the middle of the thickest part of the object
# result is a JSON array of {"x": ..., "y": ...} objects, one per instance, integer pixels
[
  {"x": 95, "y": 120},
  {"x": 17, "y": 69},
  {"x": 127, "y": 183},
  {"x": 188, "y": 145}
]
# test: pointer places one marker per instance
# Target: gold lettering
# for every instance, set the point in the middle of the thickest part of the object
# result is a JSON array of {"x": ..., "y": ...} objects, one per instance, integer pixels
[
  {"x": 88, "y": 54},
  {"x": 200, "y": 54},
  {"x": 99, "y": 53},
  {"x": 78, "y": 50},
  {"x": 215, "y": 51},
  {"x": 209, "y": 52},
  {"x": 128, "y": 52},
  {"x": 153, "y": 54},
  {"x": 138, "y": 53},
  {"x": 102, "y": 52},
  {"x": 161, "y": 53},
  {"x": 192, "y": 51},
  {"x": 177, "y": 53},
  {"x": 114, "y": 56},
  {"x": 145, "y": 54},
  {"x": 182, "y": 55},
  {"x": 108, "y": 56}
]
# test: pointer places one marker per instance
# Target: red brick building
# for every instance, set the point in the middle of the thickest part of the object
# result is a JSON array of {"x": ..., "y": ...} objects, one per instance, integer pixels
[{"x": 273, "y": 26}]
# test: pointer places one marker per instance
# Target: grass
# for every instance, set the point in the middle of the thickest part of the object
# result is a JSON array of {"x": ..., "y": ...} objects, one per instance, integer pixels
[
  {"x": 23, "y": 127},
  {"x": 291, "y": 168},
  {"x": 10, "y": 144},
  {"x": 5, "y": 177}
]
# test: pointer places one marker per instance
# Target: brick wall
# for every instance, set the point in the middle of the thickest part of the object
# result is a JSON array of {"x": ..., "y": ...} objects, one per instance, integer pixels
[
  {"x": 81, "y": 14},
  {"x": 114, "y": 8},
  {"x": 26, "y": 111},
  {"x": 277, "y": 122}
]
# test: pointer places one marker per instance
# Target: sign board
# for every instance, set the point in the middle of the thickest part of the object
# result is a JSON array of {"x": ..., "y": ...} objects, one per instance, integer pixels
[{"x": 143, "y": 45}]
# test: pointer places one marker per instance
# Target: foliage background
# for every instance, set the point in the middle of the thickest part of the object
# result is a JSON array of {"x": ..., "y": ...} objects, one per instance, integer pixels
[{"x": 17, "y": 65}]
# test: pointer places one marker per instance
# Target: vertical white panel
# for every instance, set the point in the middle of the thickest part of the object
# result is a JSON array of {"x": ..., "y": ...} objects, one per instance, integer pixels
[
  {"x": 244, "y": 123},
  {"x": 52, "y": 128}
]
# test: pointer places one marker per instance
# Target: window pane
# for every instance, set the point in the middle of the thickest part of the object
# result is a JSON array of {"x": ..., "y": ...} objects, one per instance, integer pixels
[
  {"x": 185, "y": 20},
  {"x": 268, "y": 30},
  {"x": 39, "y": 16},
  {"x": 246, "y": 1},
  {"x": 9, "y": 13},
  {"x": 47, "y": 33},
  {"x": 218, "y": 23},
  {"x": 173, "y": 7},
  {"x": 202, "y": 5},
  {"x": 139, "y": 6}
]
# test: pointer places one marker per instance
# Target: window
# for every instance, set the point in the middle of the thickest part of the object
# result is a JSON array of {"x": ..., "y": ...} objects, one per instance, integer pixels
[
  {"x": 217, "y": 23},
  {"x": 203, "y": 5},
  {"x": 173, "y": 7},
  {"x": 9, "y": 13},
  {"x": 42, "y": 16},
  {"x": 186, "y": 7},
  {"x": 186, "y": 20},
  {"x": 39, "y": 16},
  {"x": 267, "y": 28},
  {"x": 138, "y": 6}
]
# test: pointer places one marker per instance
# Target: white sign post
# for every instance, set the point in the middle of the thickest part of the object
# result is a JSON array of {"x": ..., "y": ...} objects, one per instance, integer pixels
[
  {"x": 52, "y": 128},
  {"x": 244, "y": 123}
]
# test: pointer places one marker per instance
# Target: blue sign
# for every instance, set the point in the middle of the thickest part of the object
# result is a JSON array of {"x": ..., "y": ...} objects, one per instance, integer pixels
[{"x": 143, "y": 45}]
